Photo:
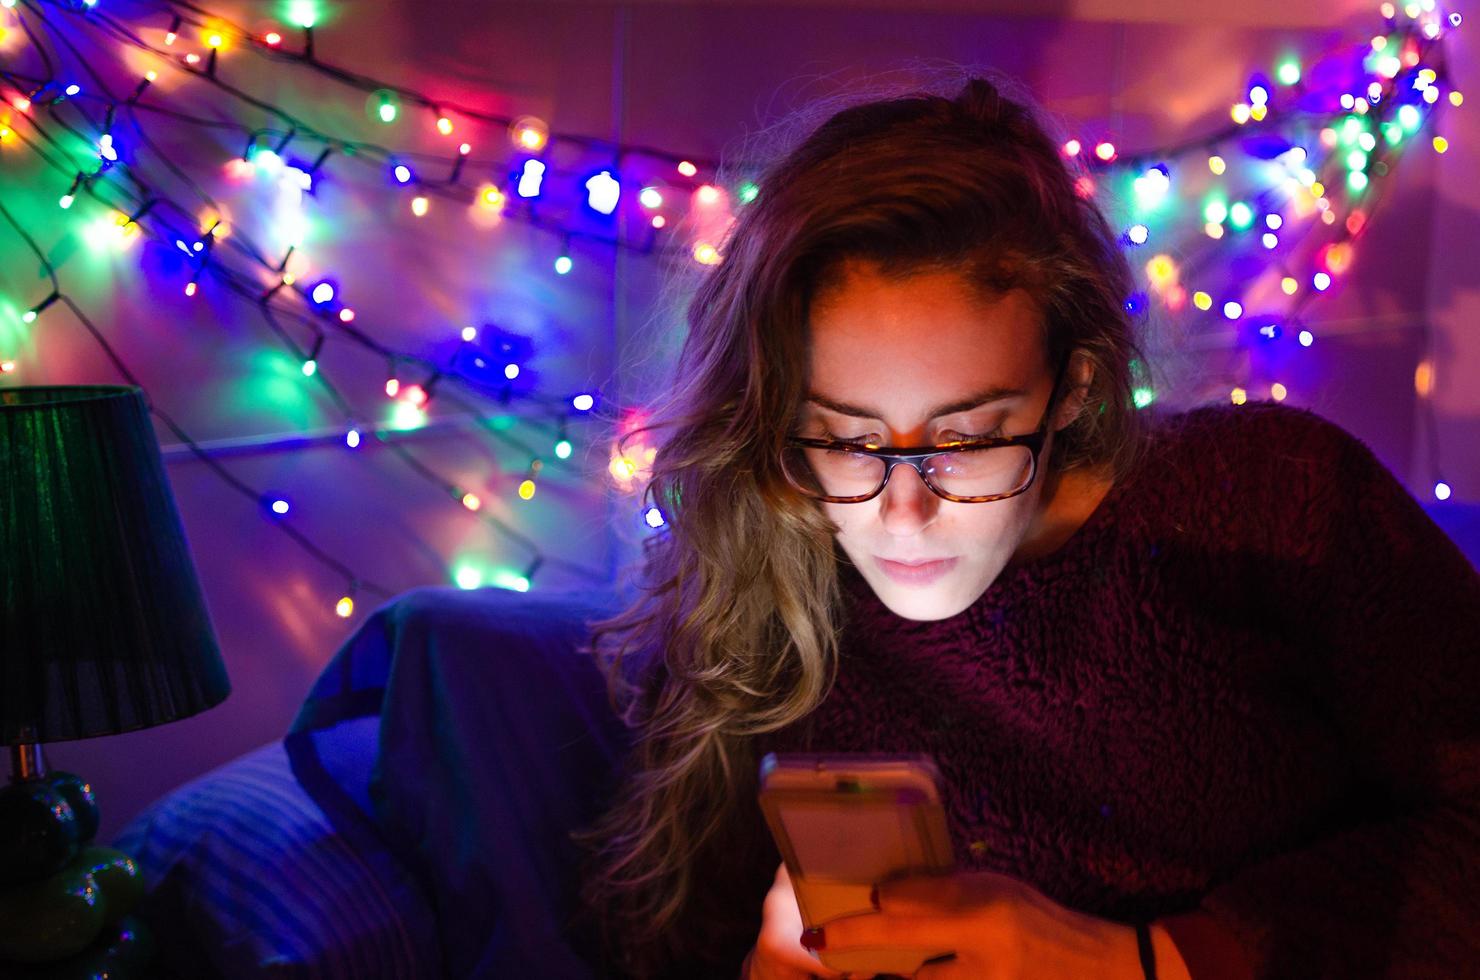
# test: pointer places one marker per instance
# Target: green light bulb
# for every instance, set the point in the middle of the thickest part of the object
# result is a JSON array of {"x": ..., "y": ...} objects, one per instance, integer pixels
[{"x": 303, "y": 13}]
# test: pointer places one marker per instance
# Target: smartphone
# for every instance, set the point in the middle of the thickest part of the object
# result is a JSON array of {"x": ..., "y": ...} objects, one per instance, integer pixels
[{"x": 846, "y": 821}]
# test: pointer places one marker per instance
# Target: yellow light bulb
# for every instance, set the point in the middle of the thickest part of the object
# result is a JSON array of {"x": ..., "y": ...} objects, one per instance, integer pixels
[
  {"x": 526, "y": 489},
  {"x": 1239, "y": 396},
  {"x": 622, "y": 468},
  {"x": 1161, "y": 270},
  {"x": 345, "y": 607},
  {"x": 1423, "y": 378},
  {"x": 1277, "y": 392},
  {"x": 1440, "y": 144},
  {"x": 471, "y": 501},
  {"x": 530, "y": 133},
  {"x": 1202, "y": 300}
]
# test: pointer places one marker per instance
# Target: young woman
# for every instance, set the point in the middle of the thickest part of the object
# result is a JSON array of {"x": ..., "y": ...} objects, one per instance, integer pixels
[{"x": 1213, "y": 673}]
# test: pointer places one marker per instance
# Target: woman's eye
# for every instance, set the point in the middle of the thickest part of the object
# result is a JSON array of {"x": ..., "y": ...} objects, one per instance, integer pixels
[
  {"x": 852, "y": 440},
  {"x": 952, "y": 436}
]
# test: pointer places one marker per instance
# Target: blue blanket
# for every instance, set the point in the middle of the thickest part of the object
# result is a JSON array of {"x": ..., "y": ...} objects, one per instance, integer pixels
[{"x": 495, "y": 741}]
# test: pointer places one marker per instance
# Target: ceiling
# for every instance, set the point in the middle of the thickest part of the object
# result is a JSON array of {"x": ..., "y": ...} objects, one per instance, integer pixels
[{"x": 1246, "y": 13}]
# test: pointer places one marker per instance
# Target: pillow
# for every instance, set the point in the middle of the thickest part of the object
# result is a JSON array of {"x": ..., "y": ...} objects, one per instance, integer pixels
[
  {"x": 495, "y": 740},
  {"x": 247, "y": 877}
]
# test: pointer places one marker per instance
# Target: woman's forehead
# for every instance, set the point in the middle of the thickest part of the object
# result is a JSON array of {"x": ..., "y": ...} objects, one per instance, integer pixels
[{"x": 918, "y": 343}]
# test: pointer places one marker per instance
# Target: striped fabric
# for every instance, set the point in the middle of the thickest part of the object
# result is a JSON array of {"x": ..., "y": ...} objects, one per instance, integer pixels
[{"x": 247, "y": 878}]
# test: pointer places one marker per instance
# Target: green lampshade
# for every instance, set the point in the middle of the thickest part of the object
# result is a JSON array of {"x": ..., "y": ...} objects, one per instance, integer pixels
[{"x": 103, "y": 627}]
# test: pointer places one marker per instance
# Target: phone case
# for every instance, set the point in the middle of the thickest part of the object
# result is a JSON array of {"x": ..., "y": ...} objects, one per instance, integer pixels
[{"x": 845, "y": 821}]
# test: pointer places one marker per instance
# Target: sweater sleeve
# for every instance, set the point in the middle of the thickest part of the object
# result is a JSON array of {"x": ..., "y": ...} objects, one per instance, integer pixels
[{"x": 1389, "y": 609}]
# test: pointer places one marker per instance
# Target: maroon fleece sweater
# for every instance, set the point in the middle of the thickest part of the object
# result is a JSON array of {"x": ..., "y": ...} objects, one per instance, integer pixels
[{"x": 1243, "y": 697}]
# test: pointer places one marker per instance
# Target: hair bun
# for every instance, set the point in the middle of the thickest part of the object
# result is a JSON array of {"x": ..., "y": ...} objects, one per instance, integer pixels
[{"x": 981, "y": 100}]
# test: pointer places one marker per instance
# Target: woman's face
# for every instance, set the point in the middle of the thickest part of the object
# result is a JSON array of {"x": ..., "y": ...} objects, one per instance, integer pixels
[{"x": 886, "y": 356}]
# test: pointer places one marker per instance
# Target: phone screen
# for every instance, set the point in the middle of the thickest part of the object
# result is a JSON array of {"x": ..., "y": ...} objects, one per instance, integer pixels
[{"x": 858, "y": 842}]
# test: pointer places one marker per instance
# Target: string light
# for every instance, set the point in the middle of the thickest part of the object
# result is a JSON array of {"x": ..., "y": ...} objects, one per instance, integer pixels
[
  {"x": 30, "y": 315},
  {"x": 529, "y": 133},
  {"x": 311, "y": 364},
  {"x": 531, "y": 176},
  {"x": 1359, "y": 152},
  {"x": 602, "y": 192}
]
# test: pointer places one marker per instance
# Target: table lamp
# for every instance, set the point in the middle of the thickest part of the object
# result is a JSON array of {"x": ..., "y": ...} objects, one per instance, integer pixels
[{"x": 103, "y": 630}]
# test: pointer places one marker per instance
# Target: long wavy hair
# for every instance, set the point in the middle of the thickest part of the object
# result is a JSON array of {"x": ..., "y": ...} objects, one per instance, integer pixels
[{"x": 735, "y": 632}]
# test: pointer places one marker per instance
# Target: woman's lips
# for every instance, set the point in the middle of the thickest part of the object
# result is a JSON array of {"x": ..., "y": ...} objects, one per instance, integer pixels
[{"x": 916, "y": 574}]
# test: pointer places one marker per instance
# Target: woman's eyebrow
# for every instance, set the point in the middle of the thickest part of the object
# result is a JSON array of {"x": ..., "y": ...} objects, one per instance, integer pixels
[{"x": 993, "y": 394}]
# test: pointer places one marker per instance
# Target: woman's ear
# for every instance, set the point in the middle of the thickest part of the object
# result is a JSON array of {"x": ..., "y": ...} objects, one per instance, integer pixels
[{"x": 1077, "y": 379}]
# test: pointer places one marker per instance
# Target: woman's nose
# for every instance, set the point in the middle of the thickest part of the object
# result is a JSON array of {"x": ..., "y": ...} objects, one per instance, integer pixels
[{"x": 907, "y": 504}]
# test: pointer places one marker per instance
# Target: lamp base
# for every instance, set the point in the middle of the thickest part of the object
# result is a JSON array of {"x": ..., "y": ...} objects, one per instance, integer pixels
[{"x": 65, "y": 902}]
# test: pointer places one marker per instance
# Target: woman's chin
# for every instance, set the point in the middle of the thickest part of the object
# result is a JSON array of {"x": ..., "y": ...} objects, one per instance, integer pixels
[{"x": 938, "y": 600}]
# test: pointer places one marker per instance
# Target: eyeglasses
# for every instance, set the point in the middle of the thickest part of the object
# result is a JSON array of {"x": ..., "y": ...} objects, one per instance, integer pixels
[{"x": 969, "y": 471}]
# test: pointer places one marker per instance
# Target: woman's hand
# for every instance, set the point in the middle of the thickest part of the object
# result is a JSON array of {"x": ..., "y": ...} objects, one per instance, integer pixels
[
  {"x": 778, "y": 953},
  {"x": 1000, "y": 928}
]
